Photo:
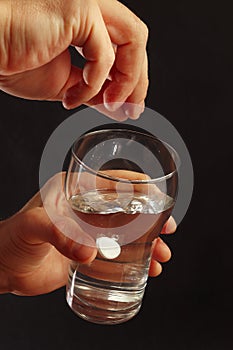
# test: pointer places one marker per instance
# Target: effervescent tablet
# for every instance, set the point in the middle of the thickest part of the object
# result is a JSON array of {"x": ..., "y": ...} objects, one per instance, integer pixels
[{"x": 108, "y": 247}]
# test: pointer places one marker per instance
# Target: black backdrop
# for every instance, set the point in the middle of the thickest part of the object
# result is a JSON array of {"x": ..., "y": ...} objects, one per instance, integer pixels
[{"x": 190, "y": 305}]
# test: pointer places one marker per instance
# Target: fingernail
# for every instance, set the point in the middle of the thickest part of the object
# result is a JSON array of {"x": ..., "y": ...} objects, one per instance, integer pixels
[
  {"x": 170, "y": 226},
  {"x": 65, "y": 105},
  {"x": 133, "y": 111},
  {"x": 70, "y": 97},
  {"x": 112, "y": 106}
]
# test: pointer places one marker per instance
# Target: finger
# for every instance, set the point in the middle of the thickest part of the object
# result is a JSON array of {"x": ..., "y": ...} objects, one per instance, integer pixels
[
  {"x": 35, "y": 228},
  {"x": 130, "y": 35},
  {"x": 86, "y": 181},
  {"x": 75, "y": 77},
  {"x": 97, "y": 103},
  {"x": 51, "y": 190},
  {"x": 99, "y": 53},
  {"x": 135, "y": 104},
  {"x": 155, "y": 268},
  {"x": 161, "y": 251},
  {"x": 118, "y": 114},
  {"x": 49, "y": 78},
  {"x": 170, "y": 226}
]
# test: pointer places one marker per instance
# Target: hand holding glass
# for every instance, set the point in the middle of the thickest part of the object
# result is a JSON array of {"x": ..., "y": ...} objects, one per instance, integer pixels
[{"x": 121, "y": 186}]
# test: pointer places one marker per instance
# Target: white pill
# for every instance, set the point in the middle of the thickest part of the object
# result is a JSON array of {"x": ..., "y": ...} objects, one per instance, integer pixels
[{"x": 108, "y": 247}]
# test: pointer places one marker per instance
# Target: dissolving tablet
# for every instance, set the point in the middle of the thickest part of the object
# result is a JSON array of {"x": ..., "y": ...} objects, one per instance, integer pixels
[{"x": 108, "y": 247}]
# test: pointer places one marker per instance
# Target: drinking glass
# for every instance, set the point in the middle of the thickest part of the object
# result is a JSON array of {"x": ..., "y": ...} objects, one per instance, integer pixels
[{"x": 121, "y": 186}]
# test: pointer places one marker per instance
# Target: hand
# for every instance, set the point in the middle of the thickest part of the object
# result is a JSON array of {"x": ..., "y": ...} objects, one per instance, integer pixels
[
  {"x": 35, "y": 254},
  {"x": 35, "y": 61}
]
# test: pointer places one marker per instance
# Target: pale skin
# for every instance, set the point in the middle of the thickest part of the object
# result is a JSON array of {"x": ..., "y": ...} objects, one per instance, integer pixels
[
  {"x": 35, "y": 61},
  {"x": 35, "y": 249},
  {"x": 35, "y": 64}
]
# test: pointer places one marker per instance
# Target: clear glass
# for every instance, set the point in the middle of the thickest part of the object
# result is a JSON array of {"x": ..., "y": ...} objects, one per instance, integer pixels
[{"x": 121, "y": 184}]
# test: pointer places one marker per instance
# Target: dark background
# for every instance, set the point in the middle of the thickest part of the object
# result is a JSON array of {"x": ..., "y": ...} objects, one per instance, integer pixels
[{"x": 188, "y": 307}]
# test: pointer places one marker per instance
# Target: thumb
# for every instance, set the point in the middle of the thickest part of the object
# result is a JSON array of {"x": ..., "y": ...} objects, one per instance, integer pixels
[{"x": 35, "y": 227}]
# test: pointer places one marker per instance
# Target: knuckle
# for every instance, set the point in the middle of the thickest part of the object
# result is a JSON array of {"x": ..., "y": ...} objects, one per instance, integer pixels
[
  {"x": 91, "y": 90},
  {"x": 109, "y": 58},
  {"x": 141, "y": 90},
  {"x": 127, "y": 79},
  {"x": 94, "y": 89},
  {"x": 145, "y": 83},
  {"x": 28, "y": 215},
  {"x": 140, "y": 31},
  {"x": 144, "y": 31},
  {"x": 145, "y": 86}
]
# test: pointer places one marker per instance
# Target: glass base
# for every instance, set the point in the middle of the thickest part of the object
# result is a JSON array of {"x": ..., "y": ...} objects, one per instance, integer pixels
[{"x": 103, "y": 304}]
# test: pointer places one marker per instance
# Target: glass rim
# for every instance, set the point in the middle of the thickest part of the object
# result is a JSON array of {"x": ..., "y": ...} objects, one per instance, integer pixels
[{"x": 101, "y": 174}]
